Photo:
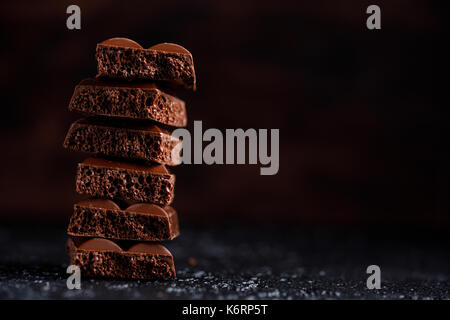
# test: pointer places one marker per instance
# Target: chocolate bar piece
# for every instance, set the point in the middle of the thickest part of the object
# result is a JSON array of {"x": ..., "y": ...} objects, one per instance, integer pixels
[
  {"x": 102, "y": 218},
  {"x": 129, "y": 100},
  {"x": 102, "y": 258},
  {"x": 124, "y": 139},
  {"x": 126, "y": 59},
  {"x": 101, "y": 178}
]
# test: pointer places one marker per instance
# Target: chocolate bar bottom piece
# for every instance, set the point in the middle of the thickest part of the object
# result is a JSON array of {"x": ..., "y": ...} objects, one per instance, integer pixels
[
  {"x": 128, "y": 100},
  {"x": 124, "y": 58},
  {"x": 103, "y": 218},
  {"x": 124, "y": 139},
  {"x": 103, "y": 178},
  {"x": 102, "y": 258}
]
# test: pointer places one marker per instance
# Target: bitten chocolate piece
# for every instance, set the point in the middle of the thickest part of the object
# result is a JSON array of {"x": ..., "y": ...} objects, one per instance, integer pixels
[
  {"x": 124, "y": 139},
  {"x": 102, "y": 218},
  {"x": 102, "y": 258},
  {"x": 126, "y": 59},
  {"x": 101, "y": 178},
  {"x": 129, "y": 100}
]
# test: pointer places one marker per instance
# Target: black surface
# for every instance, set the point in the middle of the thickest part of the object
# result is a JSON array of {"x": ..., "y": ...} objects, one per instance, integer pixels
[{"x": 243, "y": 263}]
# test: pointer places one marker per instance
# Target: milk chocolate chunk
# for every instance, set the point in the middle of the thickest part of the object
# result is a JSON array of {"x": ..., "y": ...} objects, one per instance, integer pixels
[
  {"x": 102, "y": 258},
  {"x": 101, "y": 178},
  {"x": 126, "y": 59},
  {"x": 143, "y": 101},
  {"x": 101, "y": 218},
  {"x": 124, "y": 139}
]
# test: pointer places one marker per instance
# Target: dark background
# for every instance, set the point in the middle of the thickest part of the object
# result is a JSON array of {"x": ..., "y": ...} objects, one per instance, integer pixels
[{"x": 362, "y": 114}]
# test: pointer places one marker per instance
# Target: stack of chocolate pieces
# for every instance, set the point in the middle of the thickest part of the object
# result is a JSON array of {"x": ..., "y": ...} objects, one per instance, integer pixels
[{"x": 116, "y": 232}]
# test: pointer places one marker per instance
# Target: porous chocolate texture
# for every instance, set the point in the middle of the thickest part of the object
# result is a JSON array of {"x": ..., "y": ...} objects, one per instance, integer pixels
[
  {"x": 101, "y": 178},
  {"x": 124, "y": 139},
  {"x": 101, "y": 218},
  {"x": 129, "y": 100},
  {"x": 102, "y": 258},
  {"x": 126, "y": 59}
]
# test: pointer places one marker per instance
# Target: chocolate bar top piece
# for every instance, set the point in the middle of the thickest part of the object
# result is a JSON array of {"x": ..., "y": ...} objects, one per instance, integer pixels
[
  {"x": 126, "y": 139},
  {"x": 148, "y": 126},
  {"x": 150, "y": 248},
  {"x": 123, "y": 165},
  {"x": 98, "y": 203},
  {"x": 105, "y": 219},
  {"x": 126, "y": 59},
  {"x": 102, "y": 258},
  {"x": 147, "y": 209},
  {"x": 99, "y": 245},
  {"x": 99, "y": 82},
  {"x": 142, "y": 100},
  {"x": 101, "y": 178},
  {"x": 121, "y": 42}
]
